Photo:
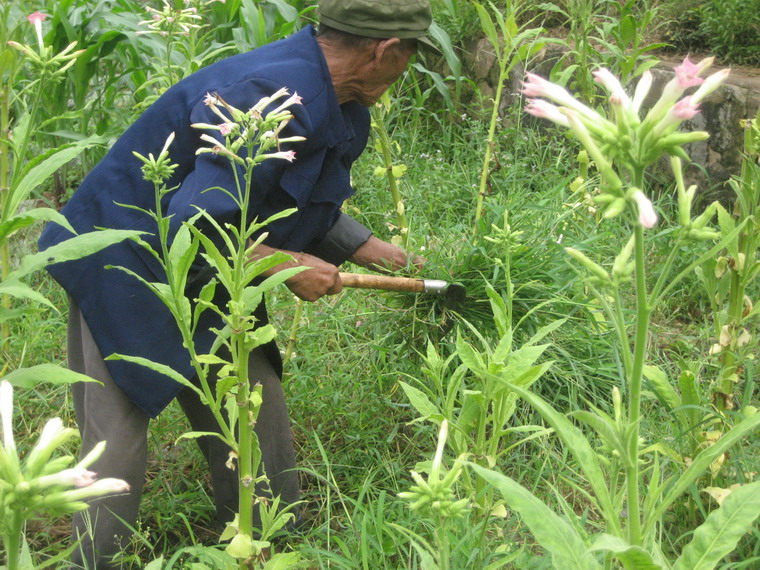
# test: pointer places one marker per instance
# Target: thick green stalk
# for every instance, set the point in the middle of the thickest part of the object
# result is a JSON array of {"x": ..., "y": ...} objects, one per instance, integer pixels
[
  {"x": 634, "y": 387},
  {"x": 12, "y": 540},
  {"x": 245, "y": 440},
  {"x": 746, "y": 246},
  {"x": 443, "y": 544}
]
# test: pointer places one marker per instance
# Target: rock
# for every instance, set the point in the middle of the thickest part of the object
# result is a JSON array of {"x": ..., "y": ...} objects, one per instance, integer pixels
[{"x": 713, "y": 161}]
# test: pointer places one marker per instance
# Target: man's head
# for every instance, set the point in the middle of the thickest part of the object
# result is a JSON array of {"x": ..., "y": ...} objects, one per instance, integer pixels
[{"x": 369, "y": 43}]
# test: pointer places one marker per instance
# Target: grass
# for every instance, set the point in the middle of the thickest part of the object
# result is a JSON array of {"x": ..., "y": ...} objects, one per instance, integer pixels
[{"x": 353, "y": 426}]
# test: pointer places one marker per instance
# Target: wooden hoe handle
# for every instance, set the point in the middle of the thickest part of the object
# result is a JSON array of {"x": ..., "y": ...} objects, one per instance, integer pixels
[{"x": 384, "y": 282}]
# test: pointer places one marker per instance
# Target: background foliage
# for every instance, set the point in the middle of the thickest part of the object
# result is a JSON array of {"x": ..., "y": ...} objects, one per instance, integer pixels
[{"x": 353, "y": 422}]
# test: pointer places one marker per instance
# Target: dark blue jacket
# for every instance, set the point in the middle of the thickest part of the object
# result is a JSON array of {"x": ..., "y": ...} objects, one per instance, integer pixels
[{"x": 123, "y": 315}]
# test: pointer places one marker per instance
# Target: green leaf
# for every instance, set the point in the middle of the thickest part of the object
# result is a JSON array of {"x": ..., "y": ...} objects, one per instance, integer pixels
[
  {"x": 47, "y": 373},
  {"x": 73, "y": 248},
  {"x": 443, "y": 40},
  {"x": 419, "y": 401},
  {"x": 470, "y": 357},
  {"x": 658, "y": 380},
  {"x": 288, "y": 12},
  {"x": 21, "y": 190},
  {"x": 260, "y": 336},
  {"x": 197, "y": 434},
  {"x": 552, "y": 532},
  {"x": 687, "y": 384},
  {"x": 499, "y": 311},
  {"x": 631, "y": 556},
  {"x": 17, "y": 289},
  {"x": 474, "y": 404},
  {"x": 283, "y": 561},
  {"x": 28, "y": 217},
  {"x": 156, "y": 564},
  {"x": 604, "y": 426},
  {"x": 700, "y": 464},
  {"x": 158, "y": 367},
  {"x": 241, "y": 546},
  {"x": 722, "y": 529},
  {"x": 181, "y": 256},
  {"x": 579, "y": 447},
  {"x": 545, "y": 330},
  {"x": 487, "y": 25}
]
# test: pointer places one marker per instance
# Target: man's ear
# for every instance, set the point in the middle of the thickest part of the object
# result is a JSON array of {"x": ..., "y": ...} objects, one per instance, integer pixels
[{"x": 382, "y": 47}]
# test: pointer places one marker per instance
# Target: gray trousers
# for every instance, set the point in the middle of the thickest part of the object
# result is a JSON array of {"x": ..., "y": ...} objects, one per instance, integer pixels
[{"x": 105, "y": 413}]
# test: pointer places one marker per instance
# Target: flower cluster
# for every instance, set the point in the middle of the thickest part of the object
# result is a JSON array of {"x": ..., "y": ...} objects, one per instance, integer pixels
[
  {"x": 41, "y": 482},
  {"x": 436, "y": 495},
  {"x": 623, "y": 144},
  {"x": 256, "y": 125},
  {"x": 49, "y": 65},
  {"x": 169, "y": 20}
]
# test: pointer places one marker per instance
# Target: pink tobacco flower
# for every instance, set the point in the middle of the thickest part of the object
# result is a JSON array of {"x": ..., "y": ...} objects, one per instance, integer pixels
[
  {"x": 289, "y": 155},
  {"x": 294, "y": 99},
  {"x": 544, "y": 110},
  {"x": 74, "y": 477},
  {"x": 36, "y": 17},
  {"x": 537, "y": 86},
  {"x": 647, "y": 215},
  {"x": 36, "y": 20},
  {"x": 684, "y": 110},
  {"x": 687, "y": 74},
  {"x": 613, "y": 86},
  {"x": 226, "y": 128},
  {"x": 642, "y": 90},
  {"x": 710, "y": 85}
]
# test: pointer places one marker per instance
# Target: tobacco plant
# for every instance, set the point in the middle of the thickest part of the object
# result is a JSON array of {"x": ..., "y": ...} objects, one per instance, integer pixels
[
  {"x": 247, "y": 138},
  {"x": 43, "y": 482},
  {"x": 622, "y": 146}
]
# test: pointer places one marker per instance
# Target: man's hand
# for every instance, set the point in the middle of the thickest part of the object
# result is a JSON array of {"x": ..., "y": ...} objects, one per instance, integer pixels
[
  {"x": 321, "y": 279},
  {"x": 379, "y": 255}
]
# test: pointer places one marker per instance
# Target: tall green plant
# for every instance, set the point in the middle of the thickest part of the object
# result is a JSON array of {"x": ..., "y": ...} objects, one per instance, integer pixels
[
  {"x": 622, "y": 146},
  {"x": 250, "y": 137},
  {"x": 728, "y": 279},
  {"x": 511, "y": 46},
  {"x": 471, "y": 388}
]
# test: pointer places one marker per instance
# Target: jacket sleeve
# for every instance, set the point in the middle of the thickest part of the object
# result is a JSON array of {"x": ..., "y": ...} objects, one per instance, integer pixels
[{"x": 342, "y": 240}]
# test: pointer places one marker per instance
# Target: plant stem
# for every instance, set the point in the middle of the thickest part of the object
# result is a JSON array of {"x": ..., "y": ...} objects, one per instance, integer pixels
[
  {"x": 12, "y": 540},
  {"x": 297, "y": 315},
  {"x": 5, "y": 168},
  {"x": 491, "y": 139},
  {"x": 634, "y": 389},
  {"x": 385, "y": 146}
]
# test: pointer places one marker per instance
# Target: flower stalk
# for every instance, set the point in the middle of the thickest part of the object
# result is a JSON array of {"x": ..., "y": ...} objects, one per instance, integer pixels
[{"x": 622, "y": 147}]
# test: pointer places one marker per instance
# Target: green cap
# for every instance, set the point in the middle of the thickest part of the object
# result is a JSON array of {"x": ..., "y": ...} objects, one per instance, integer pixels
[{"x": 379, "y": 18}]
